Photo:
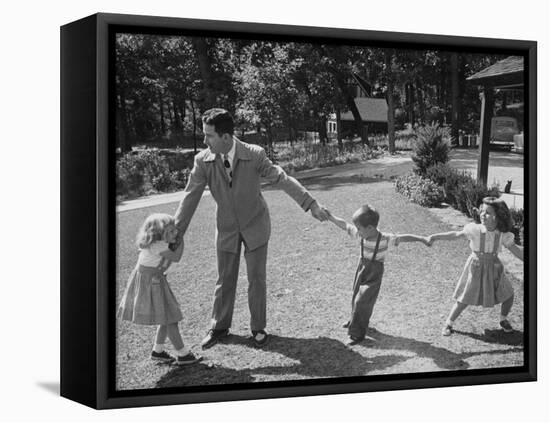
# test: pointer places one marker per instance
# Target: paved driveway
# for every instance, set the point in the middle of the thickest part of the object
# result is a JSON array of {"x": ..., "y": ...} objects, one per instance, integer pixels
[{"x": 503, "y": 166}]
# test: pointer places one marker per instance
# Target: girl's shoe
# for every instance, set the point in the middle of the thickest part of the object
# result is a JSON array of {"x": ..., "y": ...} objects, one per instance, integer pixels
[
  {"x": 188, "y": 359},
  {"x": 506, "y": 326},
  {"x": 447, "y": 330},
  {"x": 162, "y": 357}
]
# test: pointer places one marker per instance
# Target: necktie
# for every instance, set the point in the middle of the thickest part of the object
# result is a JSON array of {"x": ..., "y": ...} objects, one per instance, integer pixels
[{"x": 228, "y": 170}]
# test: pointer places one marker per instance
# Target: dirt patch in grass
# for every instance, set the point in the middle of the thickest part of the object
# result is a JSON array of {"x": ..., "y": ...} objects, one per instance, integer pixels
[{"x": 310, "y": 272}]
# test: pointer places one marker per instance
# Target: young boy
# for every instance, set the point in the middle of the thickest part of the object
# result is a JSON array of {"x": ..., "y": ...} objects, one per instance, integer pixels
[{"x": 374, "y": 246}]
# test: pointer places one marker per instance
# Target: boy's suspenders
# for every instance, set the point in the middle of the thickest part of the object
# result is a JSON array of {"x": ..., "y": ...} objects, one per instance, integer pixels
[
  {"x": 377, "y": 244},
  {"x": 375, "y": 248}
]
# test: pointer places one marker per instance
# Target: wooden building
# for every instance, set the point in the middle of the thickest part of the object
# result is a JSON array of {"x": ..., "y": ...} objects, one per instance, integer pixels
[{"x": 373, "y": 111}]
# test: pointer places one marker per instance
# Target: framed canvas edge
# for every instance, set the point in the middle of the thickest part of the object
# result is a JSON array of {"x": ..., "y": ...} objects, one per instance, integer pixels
[{"x": 105, "y": 399}]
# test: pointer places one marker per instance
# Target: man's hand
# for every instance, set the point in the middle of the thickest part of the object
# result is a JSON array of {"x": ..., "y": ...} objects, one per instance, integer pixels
[
  {"x": 318, "y": 212},
  {"x": 177, "y": 243}
]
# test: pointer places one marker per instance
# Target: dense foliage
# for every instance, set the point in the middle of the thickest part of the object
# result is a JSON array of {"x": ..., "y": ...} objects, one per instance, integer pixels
[
  {"x": 147, "y": 172},
  {"x": 431, "y": 147},
  {"x": 279, "y": 90}
]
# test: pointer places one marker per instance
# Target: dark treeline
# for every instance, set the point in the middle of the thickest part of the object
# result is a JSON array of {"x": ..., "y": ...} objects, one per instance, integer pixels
[{"x": 279, "y": 89}]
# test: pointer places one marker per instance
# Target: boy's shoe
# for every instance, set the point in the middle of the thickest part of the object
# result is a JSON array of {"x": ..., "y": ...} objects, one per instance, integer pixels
[
  {"x": 447, "y": 330},
  {"x": 212, "y": 337},
  {"x": 188, "y": 359},
  {"x": 259, "y": 337},
  {"x": 346, "y": 324},
  {"x": 162, "y": 357},
  {"x": 354, "y": 340},
  {"x": 506, "y": 326}
]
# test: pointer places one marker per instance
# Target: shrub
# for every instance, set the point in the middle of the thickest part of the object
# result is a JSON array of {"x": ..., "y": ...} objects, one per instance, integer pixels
[
  {"x": 146, "y": 171},
  {"x": 460, "y": 189},
  {"x": 518, "y": 228},
  {"x": 419, "y": 190},
  {"x": 431, "y": 147},
  {"x": 180, "y": 178},
  {"x": 307, "y": 156}
]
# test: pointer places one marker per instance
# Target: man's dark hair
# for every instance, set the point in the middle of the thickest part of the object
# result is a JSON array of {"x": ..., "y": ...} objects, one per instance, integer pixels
[{"x": 220, "y": 119}]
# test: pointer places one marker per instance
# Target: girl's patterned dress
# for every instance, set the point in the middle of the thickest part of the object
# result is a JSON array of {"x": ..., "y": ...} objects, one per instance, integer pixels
[
  {"x": 148, "y": 299},
  {"x": 483, "y": 281}
]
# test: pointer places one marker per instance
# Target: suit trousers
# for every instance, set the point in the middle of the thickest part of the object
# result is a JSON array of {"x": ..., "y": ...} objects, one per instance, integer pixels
[{"x": 226, "y": 286}]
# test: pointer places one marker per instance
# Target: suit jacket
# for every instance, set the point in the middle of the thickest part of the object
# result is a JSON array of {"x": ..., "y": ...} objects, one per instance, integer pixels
[{"x": 241, "y": 209}]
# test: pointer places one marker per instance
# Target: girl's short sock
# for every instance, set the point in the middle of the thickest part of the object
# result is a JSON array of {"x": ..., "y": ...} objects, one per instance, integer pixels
[
  {"x": 503, "y": 317},
  {"x": 449, "y": 322},
  {"x": 158, "y": 348}
]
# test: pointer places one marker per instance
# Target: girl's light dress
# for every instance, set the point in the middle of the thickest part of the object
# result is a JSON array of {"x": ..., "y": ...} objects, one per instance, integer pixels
[
  {"x": 148, "y": 299},
  {"x": 483, "y": 281}
]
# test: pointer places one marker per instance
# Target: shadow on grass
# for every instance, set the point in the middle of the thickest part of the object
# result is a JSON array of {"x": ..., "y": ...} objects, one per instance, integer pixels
[
  {"x": 316, "y": 358},
  {"x": 496, "y": 336},
  {"x": 326, "y": 357},
  {"x": 443, "y": 358}
]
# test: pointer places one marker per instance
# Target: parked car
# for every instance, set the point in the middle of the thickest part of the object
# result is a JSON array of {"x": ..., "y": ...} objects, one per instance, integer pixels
[{"x": 503, "y": 129}]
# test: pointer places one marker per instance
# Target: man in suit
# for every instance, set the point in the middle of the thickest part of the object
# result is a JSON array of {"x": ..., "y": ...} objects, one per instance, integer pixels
[{"x": 233, "y": 171}]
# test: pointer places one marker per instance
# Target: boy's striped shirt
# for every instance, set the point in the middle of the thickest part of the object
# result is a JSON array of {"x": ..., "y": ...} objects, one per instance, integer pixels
[{"x": 387, "y": 241}]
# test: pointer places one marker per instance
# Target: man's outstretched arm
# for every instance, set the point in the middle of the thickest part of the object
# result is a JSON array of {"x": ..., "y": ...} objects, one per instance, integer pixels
[{"x": 277, "y": 176}]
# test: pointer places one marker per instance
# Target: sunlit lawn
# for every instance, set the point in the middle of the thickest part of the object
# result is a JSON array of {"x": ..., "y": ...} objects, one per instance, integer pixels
[{"x": 310, "y": 273}]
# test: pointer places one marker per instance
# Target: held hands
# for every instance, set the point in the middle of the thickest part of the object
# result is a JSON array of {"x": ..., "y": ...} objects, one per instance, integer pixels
[
  {"x": 177, "y": 244},
  {"x": 318, "y": 212}
]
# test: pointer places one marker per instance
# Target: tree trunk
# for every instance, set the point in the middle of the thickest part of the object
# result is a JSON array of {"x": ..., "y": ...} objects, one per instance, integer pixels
[
  {"x": 391, "y": 106},
  {"x": 421, "y": 107},
  {"x": 391, "y": 118},
  {"x": 194, "y": 113},
  {"x": 208, "y": 99},
  {"x": 322, "y": 127},
  {"x": 177, "y": 119},
  {"x": 455, "y": 98},
  {"x": 339, "y": 130},
  {"x": 161, "y": 108},
  {"x": 410, "y": 102},
  {"x": 125, "y": 142}
]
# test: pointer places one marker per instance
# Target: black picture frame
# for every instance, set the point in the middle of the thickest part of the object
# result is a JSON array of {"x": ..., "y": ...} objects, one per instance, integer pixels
[{"x": 88, "y": 208}]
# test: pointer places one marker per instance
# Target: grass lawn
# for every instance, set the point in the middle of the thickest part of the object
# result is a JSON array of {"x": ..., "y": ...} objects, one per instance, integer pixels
[{"x": 310, "y": 273}]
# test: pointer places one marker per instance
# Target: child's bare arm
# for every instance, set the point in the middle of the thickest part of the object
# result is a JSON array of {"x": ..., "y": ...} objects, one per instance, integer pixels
[
  {"x": 446, "y": 236},
  {"x": 173, "y": 256},
  {"x": 515, "y": 250},
  {"x": 411, "y": 238},
  {"x": 341, "y": 223}
]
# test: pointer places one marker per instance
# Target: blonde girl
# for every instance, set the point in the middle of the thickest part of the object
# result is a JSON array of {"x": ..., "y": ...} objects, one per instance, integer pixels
[
  {"x": 483, "y": 281},
  {"x": 148, "y": 299}
]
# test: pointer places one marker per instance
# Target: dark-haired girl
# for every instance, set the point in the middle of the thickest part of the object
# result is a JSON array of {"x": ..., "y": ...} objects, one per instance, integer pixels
[{"x": 483, "y": 281}]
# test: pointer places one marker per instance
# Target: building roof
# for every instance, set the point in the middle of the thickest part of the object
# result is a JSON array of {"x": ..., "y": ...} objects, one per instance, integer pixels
[
  {"x": 508, "y": 71},
  {"x": 363, "y": 84},
  {"x": 370, "y": 109}
]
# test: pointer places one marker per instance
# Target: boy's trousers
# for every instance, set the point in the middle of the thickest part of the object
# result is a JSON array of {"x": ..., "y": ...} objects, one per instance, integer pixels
[{"x": 366, "y": 287}]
